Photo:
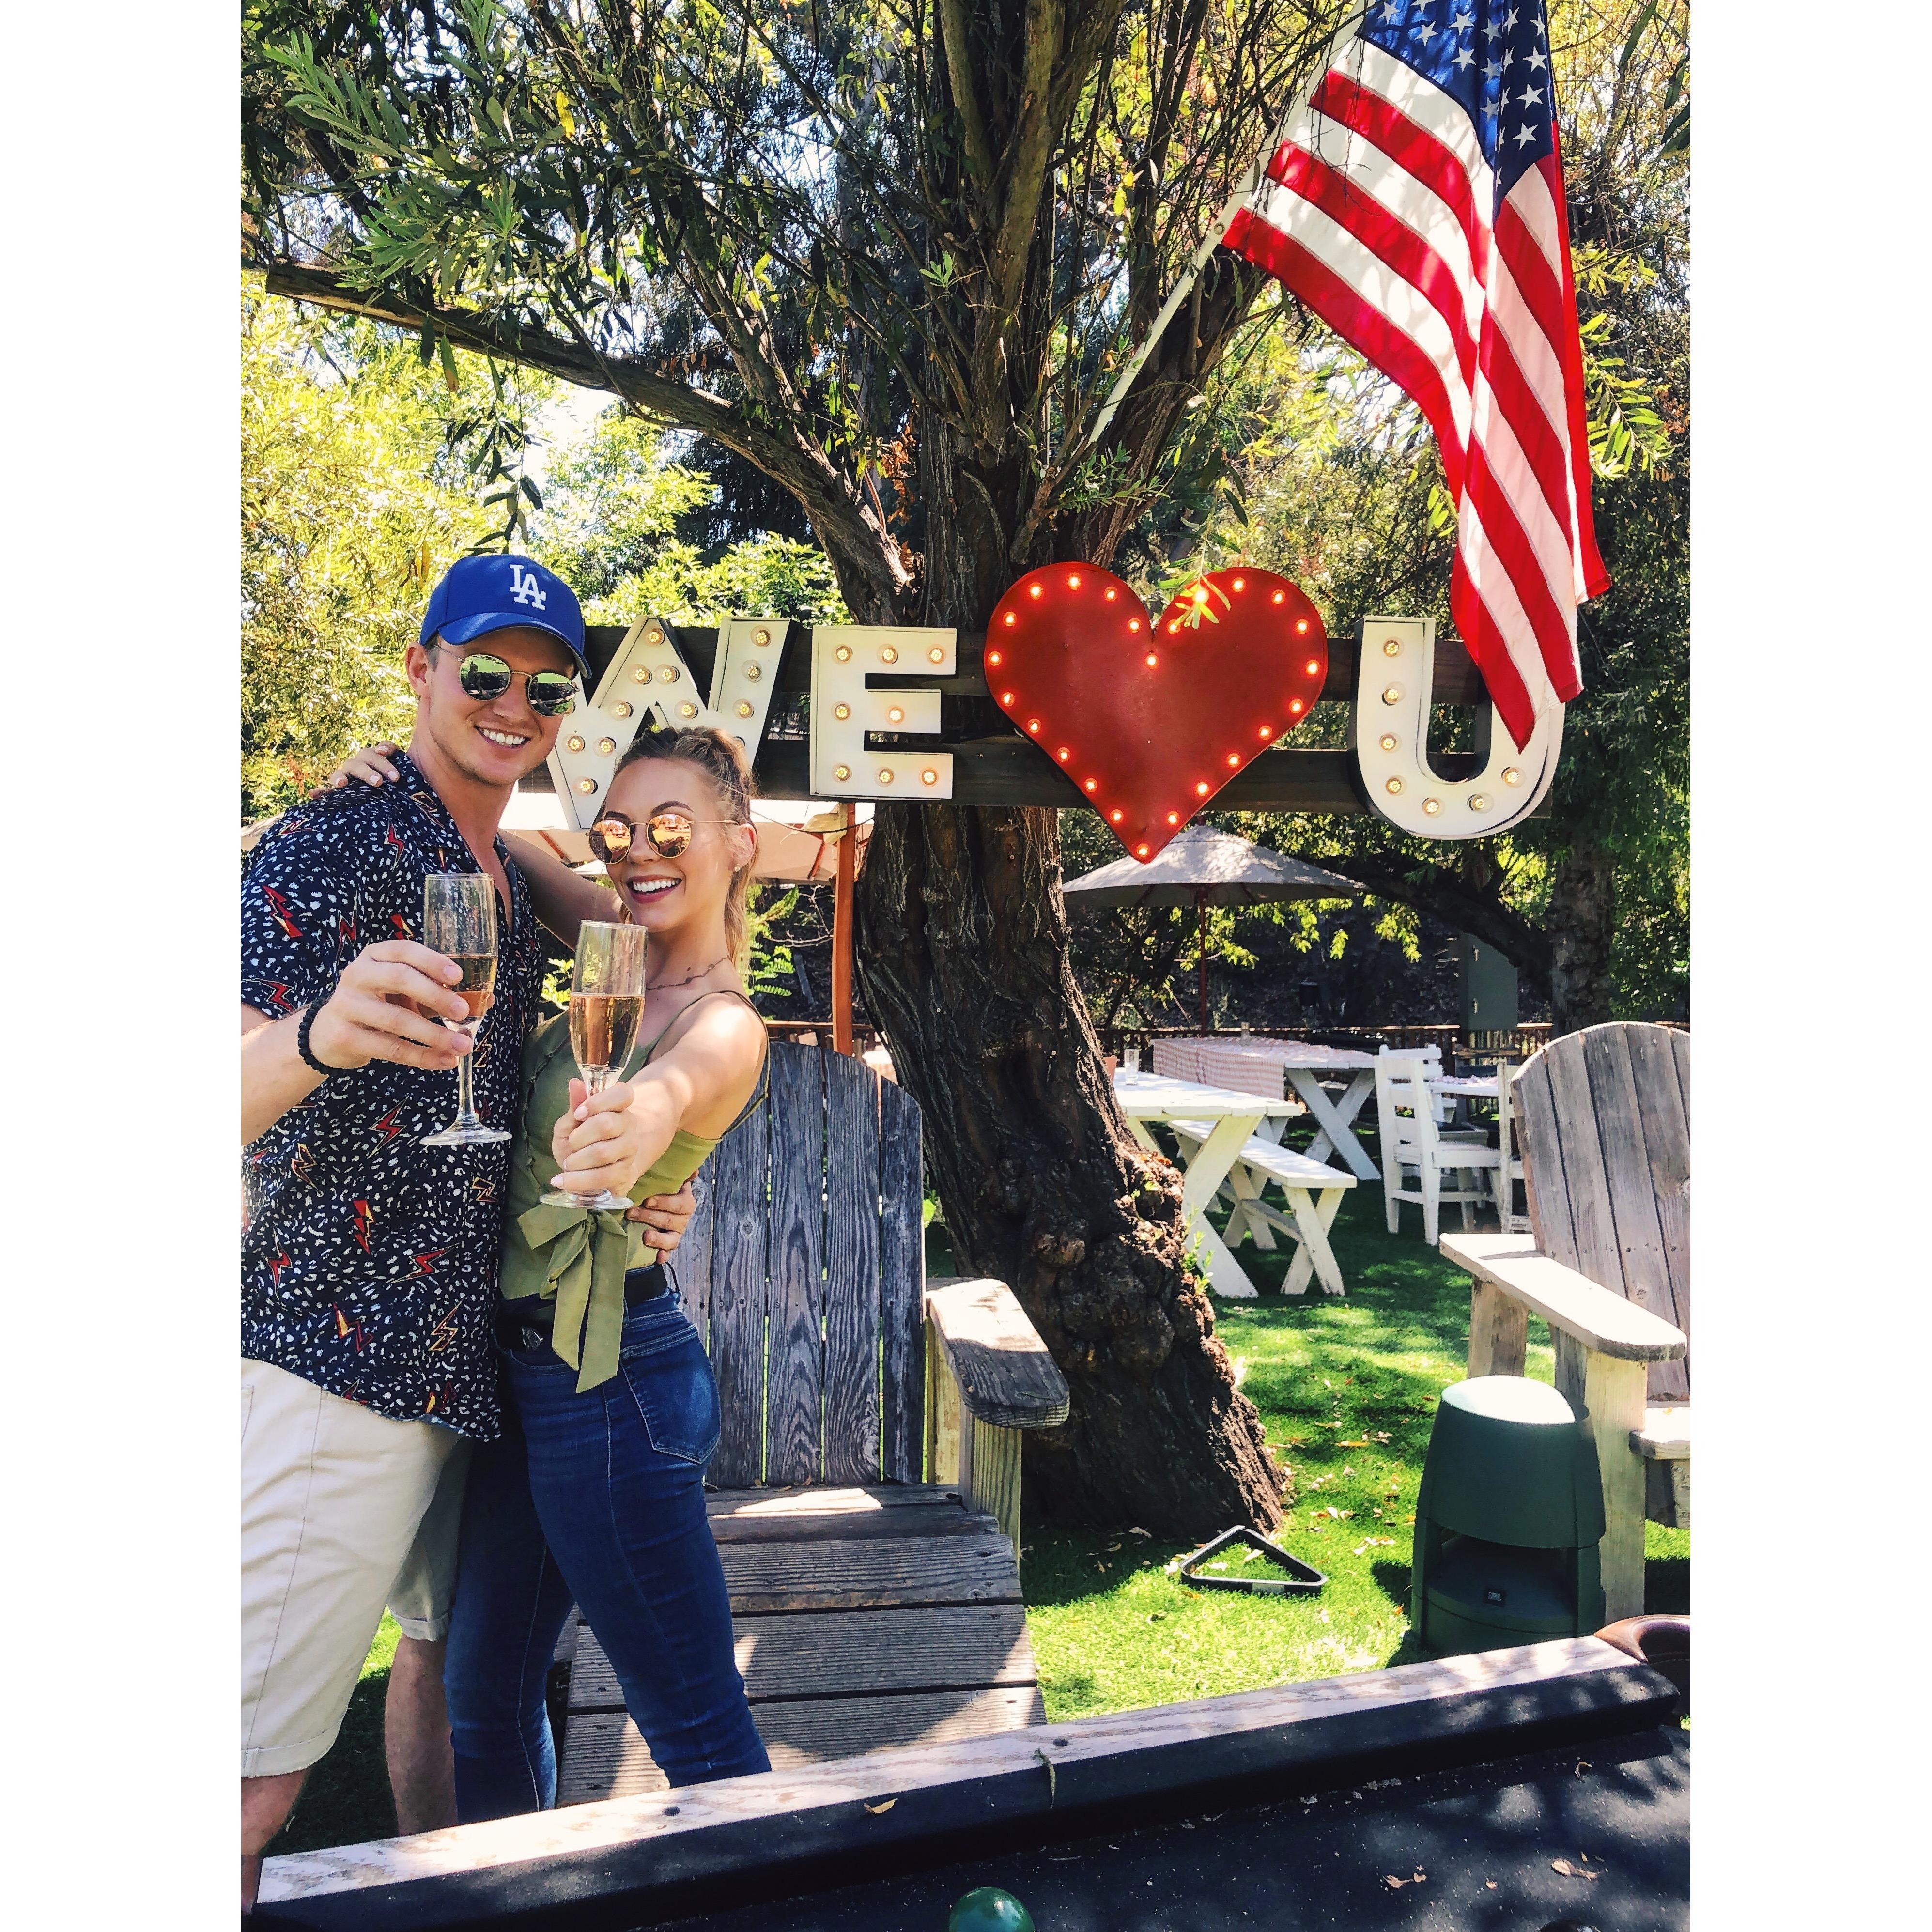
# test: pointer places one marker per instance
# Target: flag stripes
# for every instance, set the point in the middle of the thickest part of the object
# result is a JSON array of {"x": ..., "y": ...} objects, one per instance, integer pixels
[{"x": 1416, "y": 206}]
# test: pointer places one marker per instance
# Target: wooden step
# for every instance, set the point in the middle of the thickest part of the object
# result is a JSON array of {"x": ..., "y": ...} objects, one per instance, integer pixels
[
  {"x": 852, "y": 1653},
  {"x": 604, "y": 1757},
  {"x": 868, "y": 1574}
]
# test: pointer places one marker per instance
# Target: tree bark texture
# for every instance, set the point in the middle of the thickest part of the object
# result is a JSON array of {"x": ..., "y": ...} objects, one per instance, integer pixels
[
  {"x": 963, "y": 954},
  {"x": 1583, "y": 923}
]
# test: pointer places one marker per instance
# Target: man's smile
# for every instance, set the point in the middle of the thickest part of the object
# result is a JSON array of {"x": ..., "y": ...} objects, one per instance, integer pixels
[{"x": 509, "y": 740}]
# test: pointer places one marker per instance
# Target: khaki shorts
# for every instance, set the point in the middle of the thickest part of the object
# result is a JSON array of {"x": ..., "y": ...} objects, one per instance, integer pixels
[{"x": 342, "y": 1511}]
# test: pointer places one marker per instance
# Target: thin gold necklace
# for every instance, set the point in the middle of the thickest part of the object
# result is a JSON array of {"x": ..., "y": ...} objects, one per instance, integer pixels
[{"x": 670, "y": 985}]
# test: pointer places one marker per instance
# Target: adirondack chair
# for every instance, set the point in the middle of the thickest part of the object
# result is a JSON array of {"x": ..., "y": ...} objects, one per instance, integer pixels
[
  {"x": 866, "y": 1498},
  {"x": 1603, "y": 1118}
]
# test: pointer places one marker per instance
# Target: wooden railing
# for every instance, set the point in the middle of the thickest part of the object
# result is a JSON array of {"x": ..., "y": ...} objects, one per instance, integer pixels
[{"x": 1458, "y": 1044}]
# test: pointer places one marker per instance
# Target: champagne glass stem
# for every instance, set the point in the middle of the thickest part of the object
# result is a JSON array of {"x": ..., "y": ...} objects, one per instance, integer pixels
[{"x": 466, "y": 1115}]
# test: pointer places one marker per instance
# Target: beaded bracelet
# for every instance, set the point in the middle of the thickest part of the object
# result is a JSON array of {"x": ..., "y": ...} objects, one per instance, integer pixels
[{"x": 307, "y": 1052}]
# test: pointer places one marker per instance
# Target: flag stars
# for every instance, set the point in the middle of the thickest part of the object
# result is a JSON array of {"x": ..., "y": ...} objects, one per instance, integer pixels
[
  {"x": 1529, "y": 97},
  {"x": 1464, "y": 59},
  {"x": 1492, "y": 71},
  {"x": 1535, "y": 58},
  {"x": 1525, "y": 133}
]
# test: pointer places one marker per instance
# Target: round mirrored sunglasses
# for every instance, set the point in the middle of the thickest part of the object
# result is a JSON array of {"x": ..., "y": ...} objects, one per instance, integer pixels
[
  {"x": 668, "y": 834},
  {"x": 551, "y": 693}
]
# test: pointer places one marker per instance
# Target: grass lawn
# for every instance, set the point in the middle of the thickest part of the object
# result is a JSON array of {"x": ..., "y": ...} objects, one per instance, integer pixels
[{"x": 1347, "y": 1388}]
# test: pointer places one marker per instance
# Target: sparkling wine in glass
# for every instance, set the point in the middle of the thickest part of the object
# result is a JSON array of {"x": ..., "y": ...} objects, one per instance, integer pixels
[
  {"x": 606, "y": 1008},
  {"x": 459, "y": 921}
]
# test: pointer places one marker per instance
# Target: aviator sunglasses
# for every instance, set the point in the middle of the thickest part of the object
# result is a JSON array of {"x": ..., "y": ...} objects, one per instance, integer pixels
[
  {"x": 668, "y": 834},
  {"x": 552, "y": 694}
]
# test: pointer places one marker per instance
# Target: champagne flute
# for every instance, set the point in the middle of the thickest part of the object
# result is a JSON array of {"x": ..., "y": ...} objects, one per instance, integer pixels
[
  {"x": 606, "y": 1008},
  {"x": 460, "y": 920}
]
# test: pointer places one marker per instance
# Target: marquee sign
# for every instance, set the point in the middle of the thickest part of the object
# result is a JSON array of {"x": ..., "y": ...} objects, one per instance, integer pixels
[{"x": 881, "y": 712}]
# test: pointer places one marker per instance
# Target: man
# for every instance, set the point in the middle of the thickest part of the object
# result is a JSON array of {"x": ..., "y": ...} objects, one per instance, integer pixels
[{"x": 369, "y": 1260}]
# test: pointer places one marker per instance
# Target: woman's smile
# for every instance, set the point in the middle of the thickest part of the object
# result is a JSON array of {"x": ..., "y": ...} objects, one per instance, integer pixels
[{"x": 649, "y": 888}]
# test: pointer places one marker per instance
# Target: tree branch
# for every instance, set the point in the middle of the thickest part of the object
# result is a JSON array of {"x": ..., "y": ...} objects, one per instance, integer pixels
[
  {"x": 1443, "y": 896},
  {"x": 871, "y": 576}
]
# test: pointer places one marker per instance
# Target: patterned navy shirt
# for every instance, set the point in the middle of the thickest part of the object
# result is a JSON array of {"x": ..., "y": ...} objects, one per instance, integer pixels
[{"x": 369, "y": 1261}]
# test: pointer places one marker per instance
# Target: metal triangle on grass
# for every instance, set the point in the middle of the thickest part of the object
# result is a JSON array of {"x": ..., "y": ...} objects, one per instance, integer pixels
[{"x": 1303, "y": 1579}]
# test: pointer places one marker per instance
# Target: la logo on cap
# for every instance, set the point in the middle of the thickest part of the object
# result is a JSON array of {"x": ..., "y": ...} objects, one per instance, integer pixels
[{"x": 525, "y": 588}]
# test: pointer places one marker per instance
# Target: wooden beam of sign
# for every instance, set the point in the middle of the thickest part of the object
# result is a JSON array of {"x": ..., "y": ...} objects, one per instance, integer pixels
[{"x": 992, "y": 764}]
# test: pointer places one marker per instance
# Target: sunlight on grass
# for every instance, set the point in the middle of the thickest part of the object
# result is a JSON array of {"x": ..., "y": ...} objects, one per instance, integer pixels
[{"x": 1347, "y": 1390}]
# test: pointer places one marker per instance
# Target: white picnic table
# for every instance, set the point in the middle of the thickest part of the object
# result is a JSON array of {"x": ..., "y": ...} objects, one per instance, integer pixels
[
  {"x": 1253, "y": 1063},
  {"x": 1263, "y": 1065},
  {"x": 1219, "y": 1124}
]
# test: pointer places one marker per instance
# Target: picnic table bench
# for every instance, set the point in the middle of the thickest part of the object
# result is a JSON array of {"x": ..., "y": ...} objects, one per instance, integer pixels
[
  {"x": 1314, "y": 1193},
  {"x": 867, "y": 1509}
]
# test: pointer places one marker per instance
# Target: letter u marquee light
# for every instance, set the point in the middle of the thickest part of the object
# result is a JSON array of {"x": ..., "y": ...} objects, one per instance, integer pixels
[{"x": 1395, "y": 672}]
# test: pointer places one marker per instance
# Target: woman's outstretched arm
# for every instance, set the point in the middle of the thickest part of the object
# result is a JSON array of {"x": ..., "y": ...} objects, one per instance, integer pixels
[{"x": 563, "y": 899}]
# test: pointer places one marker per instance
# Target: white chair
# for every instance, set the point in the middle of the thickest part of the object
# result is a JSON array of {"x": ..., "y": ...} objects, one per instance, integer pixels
[
  {"x": 1508, "y": 1171},
  {"x": 1411, "y": 1140},
  {"x": 1431, "y": 1056}
]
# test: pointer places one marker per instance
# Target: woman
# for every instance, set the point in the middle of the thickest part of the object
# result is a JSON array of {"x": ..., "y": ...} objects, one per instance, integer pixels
[{"x": 594, "y": 1493}]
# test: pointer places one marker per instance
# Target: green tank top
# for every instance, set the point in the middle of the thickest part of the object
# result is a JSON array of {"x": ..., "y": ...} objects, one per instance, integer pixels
[{"x": 571, "y": 1256}]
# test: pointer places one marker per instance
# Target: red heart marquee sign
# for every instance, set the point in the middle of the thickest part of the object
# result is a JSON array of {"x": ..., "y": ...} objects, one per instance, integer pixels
[{"x": 1151, "y": 720}]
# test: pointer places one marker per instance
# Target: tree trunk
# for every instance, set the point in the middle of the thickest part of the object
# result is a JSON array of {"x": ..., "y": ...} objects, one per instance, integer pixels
[
  {"x": 963, "y": 956},
  {"x": 1582, "y": 922}
]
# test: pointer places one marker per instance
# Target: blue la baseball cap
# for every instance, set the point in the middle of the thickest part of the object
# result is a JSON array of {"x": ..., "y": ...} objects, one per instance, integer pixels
[{"x": 481, "y": 594}]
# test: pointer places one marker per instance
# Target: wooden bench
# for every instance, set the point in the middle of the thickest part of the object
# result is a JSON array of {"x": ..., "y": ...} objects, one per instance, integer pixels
[
  {"x": 1604, "y": 1120},
  {"x": 1313, "y": 1192},
  {"x": 867, "y": 1475}
]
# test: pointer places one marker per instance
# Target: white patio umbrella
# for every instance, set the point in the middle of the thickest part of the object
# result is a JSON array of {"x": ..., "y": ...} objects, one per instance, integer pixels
[{"x": 1201, "y": 867}]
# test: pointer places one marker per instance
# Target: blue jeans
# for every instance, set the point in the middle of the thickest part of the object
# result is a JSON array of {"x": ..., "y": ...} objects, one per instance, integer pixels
[{"x": 596, "y": 1498}]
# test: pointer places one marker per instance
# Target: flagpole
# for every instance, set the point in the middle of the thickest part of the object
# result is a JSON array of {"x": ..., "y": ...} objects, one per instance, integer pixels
[{"x": 1232, "y": 207}]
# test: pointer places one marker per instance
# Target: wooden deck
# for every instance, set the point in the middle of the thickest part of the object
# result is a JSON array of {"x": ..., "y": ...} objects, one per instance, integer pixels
[{"x": 877, "y": 1614}]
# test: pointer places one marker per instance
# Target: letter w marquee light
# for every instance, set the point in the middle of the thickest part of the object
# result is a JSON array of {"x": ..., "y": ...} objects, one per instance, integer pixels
[{"x": 1149, "y": 721}]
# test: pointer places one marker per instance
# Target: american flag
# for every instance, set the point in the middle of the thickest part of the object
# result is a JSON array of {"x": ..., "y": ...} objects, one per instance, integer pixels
[{"x": 1416, "y": 206}]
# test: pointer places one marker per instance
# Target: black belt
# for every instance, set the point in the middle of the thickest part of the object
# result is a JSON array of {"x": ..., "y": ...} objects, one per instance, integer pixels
[{"x": 524, "y": 1323}]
